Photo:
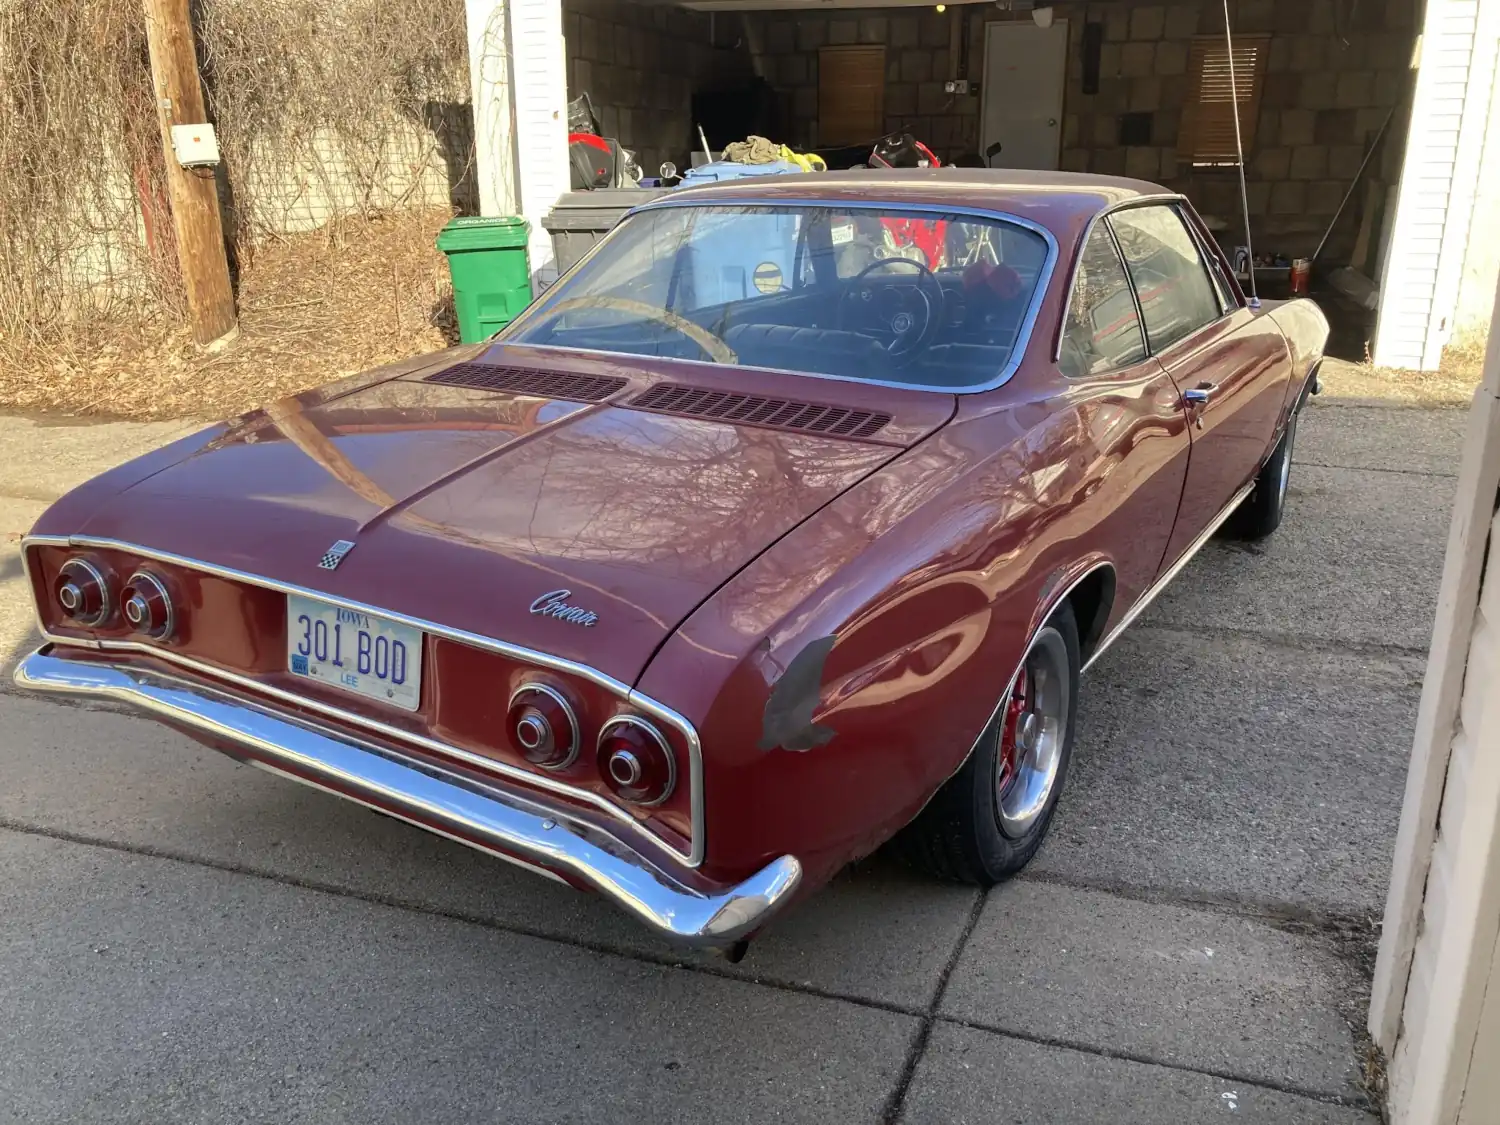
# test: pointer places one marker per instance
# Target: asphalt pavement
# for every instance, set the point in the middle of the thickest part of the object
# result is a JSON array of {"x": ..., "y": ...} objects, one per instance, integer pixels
[{"x": 186, "y": 939}]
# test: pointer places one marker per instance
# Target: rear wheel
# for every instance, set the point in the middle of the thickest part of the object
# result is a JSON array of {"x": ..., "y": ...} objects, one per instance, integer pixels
[
  {"x": 987, "y": 822},
  {"x": 1261, "y": 512}
]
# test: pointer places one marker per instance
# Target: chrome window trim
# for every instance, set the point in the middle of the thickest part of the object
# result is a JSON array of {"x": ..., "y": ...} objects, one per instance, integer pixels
[
  {"x": 1135, "y": 303},
  {"x": 1023, "y": 331},
  {"x": 1104, "y": 213},
  {"x": 1224, "y": 314},
  {"x": 692, "y": 858},
  {"x": 1211, "y": 263}
]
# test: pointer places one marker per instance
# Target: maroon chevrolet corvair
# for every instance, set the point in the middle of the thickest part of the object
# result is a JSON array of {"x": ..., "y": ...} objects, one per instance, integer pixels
[{"x": 784, "y": 524}]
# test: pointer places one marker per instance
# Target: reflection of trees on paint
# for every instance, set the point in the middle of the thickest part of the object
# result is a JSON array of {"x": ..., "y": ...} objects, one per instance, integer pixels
[{"x": 687, "y": 498}]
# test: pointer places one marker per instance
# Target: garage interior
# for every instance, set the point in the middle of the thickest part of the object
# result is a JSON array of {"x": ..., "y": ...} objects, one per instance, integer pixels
[{"x": 1116, "y": 88}]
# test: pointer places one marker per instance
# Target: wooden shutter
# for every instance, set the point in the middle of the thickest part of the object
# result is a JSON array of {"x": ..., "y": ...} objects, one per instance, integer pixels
[
  {"x": 851, "y": 95},
  {"x": 1206, "y": 135}
]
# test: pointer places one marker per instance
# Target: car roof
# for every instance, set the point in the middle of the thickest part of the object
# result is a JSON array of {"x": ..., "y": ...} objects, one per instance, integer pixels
[{"x": 1054, "y": 198}]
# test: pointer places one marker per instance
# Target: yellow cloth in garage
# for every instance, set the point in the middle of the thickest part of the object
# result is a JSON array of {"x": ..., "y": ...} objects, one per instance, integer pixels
[
  {"x": 759, "y": 150},
  {"x": 807, "y": 161}
]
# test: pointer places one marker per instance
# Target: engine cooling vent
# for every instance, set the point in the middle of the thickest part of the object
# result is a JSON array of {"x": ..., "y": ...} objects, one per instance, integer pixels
[
  {"x": 521, "y": 380},
  {"x": 777, "y": 413}
]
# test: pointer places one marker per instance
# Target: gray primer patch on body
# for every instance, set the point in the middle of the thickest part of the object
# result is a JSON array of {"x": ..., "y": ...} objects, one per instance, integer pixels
[{"x": 789, "y": 712}]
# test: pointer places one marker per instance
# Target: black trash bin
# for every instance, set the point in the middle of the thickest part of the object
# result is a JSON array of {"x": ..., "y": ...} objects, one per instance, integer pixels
[{"x": 581, "y": 218}]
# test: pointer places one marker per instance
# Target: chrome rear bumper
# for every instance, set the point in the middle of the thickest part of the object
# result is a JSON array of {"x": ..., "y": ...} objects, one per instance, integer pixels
[{"x": 493, "y": 820}]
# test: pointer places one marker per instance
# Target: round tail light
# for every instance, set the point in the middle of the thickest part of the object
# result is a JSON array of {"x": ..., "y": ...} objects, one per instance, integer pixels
[
  {"x": 147, "y": 605},
  {"x": 544, "y": 726},
  {"x": 82, "y": 592},
  {"x": 636, "y": 761}
]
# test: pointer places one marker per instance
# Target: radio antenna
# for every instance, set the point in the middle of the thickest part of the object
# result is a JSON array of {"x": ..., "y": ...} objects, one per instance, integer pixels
[{"x": 1239, "y": 151}]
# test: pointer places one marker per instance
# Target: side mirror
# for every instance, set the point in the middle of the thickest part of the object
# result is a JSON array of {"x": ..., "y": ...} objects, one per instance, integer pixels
[
  {"x": 993, "y": 151},
  {"x": 668, "y": 171}
]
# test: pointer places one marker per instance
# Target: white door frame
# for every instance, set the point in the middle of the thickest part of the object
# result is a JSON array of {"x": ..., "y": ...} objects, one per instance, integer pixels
[
  {"x": 984, "y": 78},
  {"x": 519, "y": 77}
]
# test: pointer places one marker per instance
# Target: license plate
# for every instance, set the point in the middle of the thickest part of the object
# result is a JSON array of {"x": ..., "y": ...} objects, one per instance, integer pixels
[{"x": 354, "y": 650}]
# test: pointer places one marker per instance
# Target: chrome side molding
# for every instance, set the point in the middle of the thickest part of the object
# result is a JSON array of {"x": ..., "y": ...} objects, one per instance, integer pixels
[
  {"x": 489, "y": 819},
  {"x": 1161, "y": 583}
]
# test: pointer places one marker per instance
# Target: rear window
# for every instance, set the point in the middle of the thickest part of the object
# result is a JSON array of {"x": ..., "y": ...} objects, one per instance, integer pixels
[{"x": 930, "y": 299}]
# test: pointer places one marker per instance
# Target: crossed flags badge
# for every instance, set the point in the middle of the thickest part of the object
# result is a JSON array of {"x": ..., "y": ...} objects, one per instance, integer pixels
[{"x": 335, "y": 555}]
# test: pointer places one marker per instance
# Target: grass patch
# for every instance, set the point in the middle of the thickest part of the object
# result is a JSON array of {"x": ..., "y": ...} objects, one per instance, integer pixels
[{"x": 1452, "y": 384}]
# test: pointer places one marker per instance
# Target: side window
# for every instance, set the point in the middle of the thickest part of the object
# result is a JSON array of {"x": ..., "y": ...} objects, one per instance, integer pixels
[
  {"x": 1168, "y": 273},
  {"x": 1228, "y": 301},
  {"x": 1102, "y": 329}
]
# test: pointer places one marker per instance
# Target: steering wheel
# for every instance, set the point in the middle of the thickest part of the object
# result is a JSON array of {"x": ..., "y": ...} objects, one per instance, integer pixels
[
  {"x": 711, "y": 344},
  {"x": 911, "y": 312}
]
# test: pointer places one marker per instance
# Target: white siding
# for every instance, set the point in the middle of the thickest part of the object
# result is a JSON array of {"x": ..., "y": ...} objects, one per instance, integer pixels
[
  {"x": 1481, "y": 1097},
  {"x": 1423, "y": 267},
  {"x": 539, "y": 64},
  {"x": 1476, "y": 291},
  {"x": 494, "y": 115},
  {"x": 1442, "y": 1064}
]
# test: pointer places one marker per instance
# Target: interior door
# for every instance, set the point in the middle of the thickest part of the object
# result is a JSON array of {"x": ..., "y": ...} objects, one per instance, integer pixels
[
  {"x": 851, "y": 94},
  {"x": 1021, "y": 93}
]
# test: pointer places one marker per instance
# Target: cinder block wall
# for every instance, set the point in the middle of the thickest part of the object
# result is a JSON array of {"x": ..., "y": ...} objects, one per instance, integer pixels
[
  {"x": 1334, "y": 71},
  {"x": 918, "y": 60},
  {"x": 641, "y": 64}
]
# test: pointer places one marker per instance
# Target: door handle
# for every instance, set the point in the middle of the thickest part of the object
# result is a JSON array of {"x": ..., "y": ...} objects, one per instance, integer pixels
[{"x": 1199, "y": 396}]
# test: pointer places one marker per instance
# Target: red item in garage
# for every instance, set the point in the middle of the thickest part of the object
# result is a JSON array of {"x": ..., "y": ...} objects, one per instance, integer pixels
[
  {"x": 1300, "y": 274},
  {"x": 902, "y": 150},
  {"x": 927, "y": 235},
  {"x": 593, "y": 159}
]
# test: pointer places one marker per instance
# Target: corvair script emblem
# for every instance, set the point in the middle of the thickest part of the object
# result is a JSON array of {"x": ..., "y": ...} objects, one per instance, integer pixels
[{"x": 555, "y": 604}]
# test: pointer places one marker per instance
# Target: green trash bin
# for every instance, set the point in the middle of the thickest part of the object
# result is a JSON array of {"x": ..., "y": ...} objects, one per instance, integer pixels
[{"x": 491, "y": 276}]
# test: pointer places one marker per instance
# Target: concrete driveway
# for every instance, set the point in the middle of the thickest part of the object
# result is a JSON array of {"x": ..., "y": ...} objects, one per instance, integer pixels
[{"x": 184, "y": 939}]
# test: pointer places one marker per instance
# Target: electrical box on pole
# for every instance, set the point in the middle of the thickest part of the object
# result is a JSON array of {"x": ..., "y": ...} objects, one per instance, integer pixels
[{"x": 192, "y": 151}]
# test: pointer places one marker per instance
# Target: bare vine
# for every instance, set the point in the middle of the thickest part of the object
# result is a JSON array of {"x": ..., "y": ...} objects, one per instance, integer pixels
[{"x": 325, "y": 97}]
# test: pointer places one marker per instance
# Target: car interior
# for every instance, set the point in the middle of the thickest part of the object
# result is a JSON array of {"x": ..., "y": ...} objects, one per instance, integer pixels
[{"x": 934, "y": 301}]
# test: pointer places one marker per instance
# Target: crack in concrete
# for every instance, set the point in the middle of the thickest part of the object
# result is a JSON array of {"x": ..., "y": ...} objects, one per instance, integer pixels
[
  {"x": 1146, "y": 1060},
  {"x": 1327, "y": 646},
  {"x": 1388, "y": 404},
  {"x": 896, "y": 1104},
  {"x": 1282, "y": 915},
  {"x": 929, "y": 1016},
  {"x": 1376, "y": 469}
]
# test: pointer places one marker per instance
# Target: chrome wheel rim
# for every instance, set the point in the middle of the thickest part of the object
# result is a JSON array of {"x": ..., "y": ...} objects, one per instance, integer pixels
[{"x": 1033, "y": 731}]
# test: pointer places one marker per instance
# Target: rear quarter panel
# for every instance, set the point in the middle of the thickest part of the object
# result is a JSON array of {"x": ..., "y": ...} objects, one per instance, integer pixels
[{"x": 844, "y": 675}]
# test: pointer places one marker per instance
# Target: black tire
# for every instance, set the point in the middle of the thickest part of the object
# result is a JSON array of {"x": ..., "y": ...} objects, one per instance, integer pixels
[
  {"x": 961, "y": 834},
  {"x": 1260, "y": 513}
]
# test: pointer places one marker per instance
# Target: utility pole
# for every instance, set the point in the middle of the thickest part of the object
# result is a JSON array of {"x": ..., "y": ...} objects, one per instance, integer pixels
[{"x": 193, "y": 193}]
